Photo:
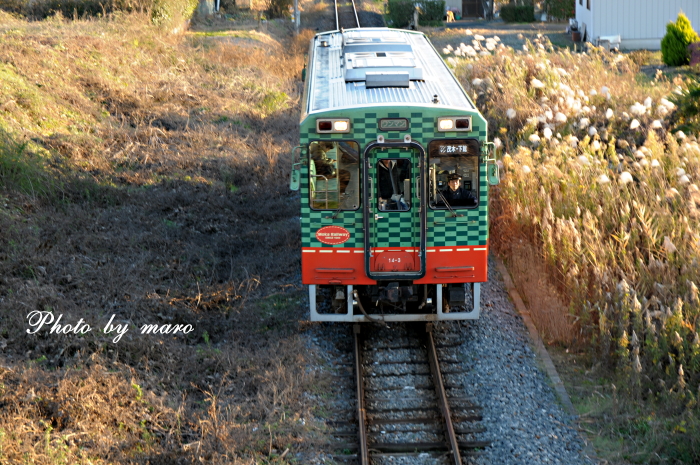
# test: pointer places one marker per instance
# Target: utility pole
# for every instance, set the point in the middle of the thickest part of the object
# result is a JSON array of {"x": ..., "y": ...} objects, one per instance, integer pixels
[{"x": 296, "y": 17}]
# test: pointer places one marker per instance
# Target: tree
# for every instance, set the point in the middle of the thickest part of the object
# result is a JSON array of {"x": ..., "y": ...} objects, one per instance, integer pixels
[{"x": 561, "y": 9}]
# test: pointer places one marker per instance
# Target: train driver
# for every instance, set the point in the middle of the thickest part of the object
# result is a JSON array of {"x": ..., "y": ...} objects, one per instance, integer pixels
[{"x": 455, "y": 194}]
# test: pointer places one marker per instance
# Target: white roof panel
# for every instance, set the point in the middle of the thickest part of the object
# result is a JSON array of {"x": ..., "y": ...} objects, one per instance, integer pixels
[{"x": 337, "y": 81}]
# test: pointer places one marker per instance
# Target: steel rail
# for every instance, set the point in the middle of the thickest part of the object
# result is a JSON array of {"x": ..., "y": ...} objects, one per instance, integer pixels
[
  {"x": 442, "y": 395},
  {"x": 363, "y": 453},
  {"x": 337, "y": 15},
  {"x": 337, "y": 22},
  {"x": 354, "y": 10},
  {"x": 450, "y": 442}
]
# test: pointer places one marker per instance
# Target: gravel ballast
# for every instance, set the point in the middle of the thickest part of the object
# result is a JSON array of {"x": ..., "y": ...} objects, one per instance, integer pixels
[
  {"x": 497, "y": 370},
  {"x": 521, "y": 414}
]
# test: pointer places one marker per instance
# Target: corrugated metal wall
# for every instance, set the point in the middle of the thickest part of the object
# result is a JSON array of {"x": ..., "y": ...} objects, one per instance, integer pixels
[
  {"x": 583, "y": 15},
  {"x": 640, "y": 23}
]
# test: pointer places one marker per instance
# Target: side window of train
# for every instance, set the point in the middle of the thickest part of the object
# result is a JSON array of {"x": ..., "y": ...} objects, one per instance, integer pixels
[
  {"x": 453, "y": 173},
  {"x": 334, "y": 175},
  {"x": 393, "y": 184}
]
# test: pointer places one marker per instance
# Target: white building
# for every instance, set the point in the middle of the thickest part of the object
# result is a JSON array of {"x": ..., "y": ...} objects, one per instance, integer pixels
[{"x": 639, "y": 23}]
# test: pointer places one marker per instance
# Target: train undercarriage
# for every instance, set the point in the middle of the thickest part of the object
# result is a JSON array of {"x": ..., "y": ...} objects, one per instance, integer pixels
[{"x": 394, "y": 301}]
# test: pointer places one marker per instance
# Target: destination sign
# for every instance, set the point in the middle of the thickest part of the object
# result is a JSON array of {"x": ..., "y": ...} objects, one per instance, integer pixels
[{"x": 454, "y": 148}]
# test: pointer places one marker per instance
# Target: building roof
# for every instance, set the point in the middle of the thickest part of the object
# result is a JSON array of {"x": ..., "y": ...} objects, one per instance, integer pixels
[{"x": 376, "y": 66}]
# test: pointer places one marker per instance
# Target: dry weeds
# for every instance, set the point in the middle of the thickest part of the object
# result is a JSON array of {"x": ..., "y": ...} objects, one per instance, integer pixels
[
  {"x": 543, "y": 302},
  {"x": 603, "y": 192},
  {"x": 157, "y": 193}
]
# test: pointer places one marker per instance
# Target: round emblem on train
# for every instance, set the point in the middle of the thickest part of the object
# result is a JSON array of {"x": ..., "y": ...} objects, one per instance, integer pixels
[{"x": 332, "y": 235}]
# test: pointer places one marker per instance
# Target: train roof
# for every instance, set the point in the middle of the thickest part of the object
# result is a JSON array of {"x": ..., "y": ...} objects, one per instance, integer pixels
[{"x": 379, "y": 66}]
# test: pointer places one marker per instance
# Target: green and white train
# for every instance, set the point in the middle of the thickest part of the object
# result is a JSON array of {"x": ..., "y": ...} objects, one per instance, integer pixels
[{"x": 393, "y": 170}]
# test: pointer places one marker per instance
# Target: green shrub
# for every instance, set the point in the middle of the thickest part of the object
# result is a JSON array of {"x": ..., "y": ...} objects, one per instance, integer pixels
[
  {"x": 168, "y": 13},
  {"x": 674, "y": 45},
  {"x": 400, "y": 13},
  {"x": 687, "y": 115},
  {"x": 431, "y": 13},
  {"x": 561, "y": 9},
  {"x": 518, "y": 13}
]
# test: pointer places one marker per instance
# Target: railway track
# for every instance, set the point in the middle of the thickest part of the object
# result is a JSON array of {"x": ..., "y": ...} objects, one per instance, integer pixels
[
  {"x": 406, "y": 410},
  {"x": 346, "y": 15}
]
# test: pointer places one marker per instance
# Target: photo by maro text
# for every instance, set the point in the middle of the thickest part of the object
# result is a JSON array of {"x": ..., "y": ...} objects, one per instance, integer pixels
[{"x": 39, "y": 320}]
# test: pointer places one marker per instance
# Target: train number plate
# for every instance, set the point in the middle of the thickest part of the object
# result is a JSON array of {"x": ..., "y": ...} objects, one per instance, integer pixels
[{"x": 393, "y": 124}]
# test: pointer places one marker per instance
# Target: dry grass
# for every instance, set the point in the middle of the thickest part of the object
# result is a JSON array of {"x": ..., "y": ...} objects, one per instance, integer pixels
[
  {"x": 604, "y": 194},
  {"x": 144, "y": 175},
  {"x": 542, "y": 299}
]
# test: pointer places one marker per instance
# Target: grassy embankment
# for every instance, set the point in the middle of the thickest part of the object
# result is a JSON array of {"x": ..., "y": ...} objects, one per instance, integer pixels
[
  {"x": 144, "y": 175},
  {"x": 598, "y": 217}
]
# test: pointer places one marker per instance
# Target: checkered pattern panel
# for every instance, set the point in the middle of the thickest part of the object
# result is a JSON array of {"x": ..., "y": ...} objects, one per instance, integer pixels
[
  {"x": 395, "y": 229},
  {"x": 398, "y": 228}
]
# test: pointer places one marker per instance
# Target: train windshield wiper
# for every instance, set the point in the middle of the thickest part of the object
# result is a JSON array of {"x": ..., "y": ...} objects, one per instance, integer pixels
[
  {"x": 447, "y": 204},
  {"x": 340, "y": 206}
]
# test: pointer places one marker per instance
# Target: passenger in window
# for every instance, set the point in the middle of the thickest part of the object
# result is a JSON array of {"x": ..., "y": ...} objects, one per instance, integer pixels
[
  {"x": 390, "y": 179},
  {"x": 455, "y": 194},
  {"x": 324, "y": 165}
]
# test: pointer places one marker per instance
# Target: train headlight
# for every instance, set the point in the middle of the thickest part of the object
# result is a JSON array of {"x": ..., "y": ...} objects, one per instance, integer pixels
[
  {"x": 455, "y": 123},
  {"x": 445, "y": 124},
  {"x": 334, "y": 125}
]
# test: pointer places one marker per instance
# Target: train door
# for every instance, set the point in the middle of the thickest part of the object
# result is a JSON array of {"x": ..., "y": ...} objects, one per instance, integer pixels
[{"x": 394, "y": 216}]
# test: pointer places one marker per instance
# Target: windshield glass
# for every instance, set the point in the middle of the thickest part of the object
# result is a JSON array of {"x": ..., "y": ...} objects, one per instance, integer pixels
[
  {"x": 334, "y": 175},
  {"x": 393, "y": 184},
  {"x": 453, "y": 173}
]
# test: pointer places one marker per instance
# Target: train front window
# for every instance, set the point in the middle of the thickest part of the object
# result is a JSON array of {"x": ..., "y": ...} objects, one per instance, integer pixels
[
  {"x": 453, "y": 173},
  {"x": 334, "y": 175},
  {"x": 394, "y": 184}
]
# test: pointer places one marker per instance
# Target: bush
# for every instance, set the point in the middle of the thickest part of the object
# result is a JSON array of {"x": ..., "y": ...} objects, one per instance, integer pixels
[
  {"x": 279, "y": 8},
  {"x": 168, "y": 13},
  {"x": 561, "y": 9},
  {"x": 431, "y": 13},
  {"x": 518, "y": 14},
  {"x": 163, "y": 12},
  {"x": 12, "y": 6},
  {"x": 67, "y": 8},
  {"x": 674, "y": 45},
  {"x": 687, "y": 115},
  {"x": 401, "y": 12}
]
